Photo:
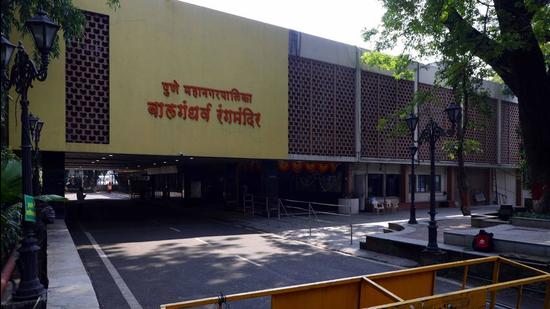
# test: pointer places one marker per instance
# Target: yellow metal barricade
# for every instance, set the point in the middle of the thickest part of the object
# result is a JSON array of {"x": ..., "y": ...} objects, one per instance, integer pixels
[{"x": 403, "y": 289}]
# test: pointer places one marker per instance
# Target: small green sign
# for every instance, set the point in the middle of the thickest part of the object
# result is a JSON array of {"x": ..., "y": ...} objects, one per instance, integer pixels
[{"x": 30, "y": 209}]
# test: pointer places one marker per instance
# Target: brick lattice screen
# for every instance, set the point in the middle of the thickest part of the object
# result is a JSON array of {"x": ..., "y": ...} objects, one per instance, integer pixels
[
  {"x": 320, "y": 108},
  {"x": 484, "y": 129},
  {"x": 381, "y": 95},
  {"x": 436, "y": 109},
  {"x": 510, "y": 141},
  {"x": 87, "y": 83}
]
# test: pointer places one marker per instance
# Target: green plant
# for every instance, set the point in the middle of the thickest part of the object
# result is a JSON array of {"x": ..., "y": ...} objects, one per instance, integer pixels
[
  {"x": 11, "y": 179},
  {"x": 10, "y": 202},
  {"x": 10, "y": 229}
]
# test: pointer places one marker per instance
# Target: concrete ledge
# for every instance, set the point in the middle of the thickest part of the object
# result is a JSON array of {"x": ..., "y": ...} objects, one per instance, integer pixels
[
  {"x": 70, "y": 286},
  {"x": 530, "y": 222},
  {"x": 507, "y": 239},
  {"x": 393, "y": 244}
]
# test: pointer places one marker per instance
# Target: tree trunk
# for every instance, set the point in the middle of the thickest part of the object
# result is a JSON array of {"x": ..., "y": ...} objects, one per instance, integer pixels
[
  {"x": 462, "y": 126},
  {"x": 461, "y": 177},
  {"x": 525, "y": 72},
  {"x": 534, "y": 112}
]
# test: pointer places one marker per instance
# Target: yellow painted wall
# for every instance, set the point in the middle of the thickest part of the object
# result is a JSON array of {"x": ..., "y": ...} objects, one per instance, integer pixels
[{"x": 163, "y": 40}]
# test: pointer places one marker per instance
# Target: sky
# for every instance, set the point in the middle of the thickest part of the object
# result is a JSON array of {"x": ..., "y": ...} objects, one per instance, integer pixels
[{"x": 340, "y": 20}]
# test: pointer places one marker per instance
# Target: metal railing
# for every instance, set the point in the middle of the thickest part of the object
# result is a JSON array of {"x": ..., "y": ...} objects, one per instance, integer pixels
[
  {"x": 301, "y": 209},
  {"x": 258, "y": 205},
  {"x": 402, "y": 289}
]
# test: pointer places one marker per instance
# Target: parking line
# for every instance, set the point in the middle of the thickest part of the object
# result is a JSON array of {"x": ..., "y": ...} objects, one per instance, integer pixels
[
  {"x": 175, "y": 229},
  {"x": 247, "y": 260},
  {"x": 124, "y": 290},
  {"x": 200, "y": 240}
]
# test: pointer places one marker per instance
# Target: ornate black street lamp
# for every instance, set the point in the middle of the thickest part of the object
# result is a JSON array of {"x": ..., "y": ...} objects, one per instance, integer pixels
[
  {"x": 36, "y": 128},
  {"x": 23, "y": 73},
  {"x": 431, "y": 134},
  {"x": 412, "y": 121}
]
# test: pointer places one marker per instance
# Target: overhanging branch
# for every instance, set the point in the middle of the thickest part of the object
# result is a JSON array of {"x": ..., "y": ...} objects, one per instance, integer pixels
[{"x": 478, "y": 43}]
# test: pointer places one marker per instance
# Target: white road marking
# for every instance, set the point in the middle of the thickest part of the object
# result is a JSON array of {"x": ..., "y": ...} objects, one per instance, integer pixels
[
  {"x": 124, "y": 290},
  {"x": 175, "y": 229},
  {"x": 247, "y": 260},
  {"x": 200, "y": 240}
]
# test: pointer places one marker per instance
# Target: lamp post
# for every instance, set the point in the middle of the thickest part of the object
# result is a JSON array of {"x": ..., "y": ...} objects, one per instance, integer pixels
[
  {"x": 22, "y": 74},
  {"x": 36, "y": 128},
  {"x": 431, "y": 134},
  {"x": 412, "y": 121}
]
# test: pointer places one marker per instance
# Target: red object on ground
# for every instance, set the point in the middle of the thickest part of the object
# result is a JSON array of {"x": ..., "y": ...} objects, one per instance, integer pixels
[
  {"x": 536, "y": 191},
  {"x": 483, "y": 242},
  {"x": 8, "y": 270}
]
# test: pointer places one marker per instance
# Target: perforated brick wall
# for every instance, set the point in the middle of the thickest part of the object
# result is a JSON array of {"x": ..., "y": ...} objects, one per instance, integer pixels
[
  {"x": 381, "y": 96},
  {"x": 511, "y": 140},
  {"x": 436, "y": 110},
  {"x": 87, "y": 83},
  {"x": 321, "y": 108},
  {"x": 483, "y": 128}
]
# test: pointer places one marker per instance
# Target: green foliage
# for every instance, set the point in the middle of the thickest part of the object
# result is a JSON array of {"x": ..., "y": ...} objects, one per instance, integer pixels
[
  {"x": 430, "y": 28},
  {"x": 394, "y": 123},
  {"x": 451, "y": 147},
  {"x": 10, "y": 229},
  {"x": 11, "y": 179},
  {"x": 50, "y": 198},
  {"x": 399, "y": 65},
  {"x": 15, "y": 13},
  {"x": 10, "y": 208}
]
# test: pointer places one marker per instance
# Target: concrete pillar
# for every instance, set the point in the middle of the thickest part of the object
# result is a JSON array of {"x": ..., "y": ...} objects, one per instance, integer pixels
[
  {"x": 519, "y": 192},
  {"x": 404, "y": 187},
  {"x": 53, "y": 169},
  {"x": 451, "y": 186},
  {"x": 357, "y": 104},
  {"x": 271, "y": 179}
]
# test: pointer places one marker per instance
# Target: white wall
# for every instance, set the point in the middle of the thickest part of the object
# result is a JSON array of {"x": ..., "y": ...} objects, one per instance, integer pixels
[{"x": 506, "y": 185}]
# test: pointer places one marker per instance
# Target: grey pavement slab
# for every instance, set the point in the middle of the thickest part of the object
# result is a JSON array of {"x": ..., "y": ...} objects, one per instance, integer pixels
[
  {"x": 69, "y": 284},
  {"x": 507, "y": 239},
  {"x": 166, "y": 260},
  {"x": 173, "y": 255}
]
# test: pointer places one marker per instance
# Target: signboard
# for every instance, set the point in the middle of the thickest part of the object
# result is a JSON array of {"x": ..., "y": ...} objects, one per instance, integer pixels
[
  {"x": 30, "y": 209},
  {"x": 239, "y": 113}
]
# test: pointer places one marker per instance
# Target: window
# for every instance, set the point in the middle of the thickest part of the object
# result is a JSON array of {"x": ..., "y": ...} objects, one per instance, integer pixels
[
  {"x": 393, "y": 185},
  {"x": 375, "y": 185},
  {"x": 423, "y": 183}
]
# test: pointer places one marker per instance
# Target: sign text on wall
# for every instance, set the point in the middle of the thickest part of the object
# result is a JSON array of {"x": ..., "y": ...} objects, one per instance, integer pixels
[{"x": 244, "y": 116}]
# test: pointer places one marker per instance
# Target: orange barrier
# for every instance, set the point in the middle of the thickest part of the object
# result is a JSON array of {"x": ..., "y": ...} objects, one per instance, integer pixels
[{"x": 403, "y": 289}]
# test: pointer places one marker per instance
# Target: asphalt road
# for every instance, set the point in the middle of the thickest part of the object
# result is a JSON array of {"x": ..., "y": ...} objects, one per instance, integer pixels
[
  {"x": 188, "y": 255},
  {"x": 142, "y": 255}
]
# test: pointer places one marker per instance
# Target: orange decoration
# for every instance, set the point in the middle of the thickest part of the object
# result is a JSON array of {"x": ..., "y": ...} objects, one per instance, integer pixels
[
  {"x": 283, "y": 166},
  {"x": 296, "y": 166},
  {"x": 323, "y": 167},
  {"x": 310, "y": 166}
]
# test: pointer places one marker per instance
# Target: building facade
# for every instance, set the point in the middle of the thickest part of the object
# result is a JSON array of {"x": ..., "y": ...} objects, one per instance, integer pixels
[{"x": 188, "y": 99}]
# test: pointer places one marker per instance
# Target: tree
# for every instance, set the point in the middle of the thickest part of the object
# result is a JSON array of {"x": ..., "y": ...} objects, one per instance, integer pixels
[
  {"x": 458, "y": 72},
  {"x": 462, "y": 74},
  {"x": 14, "y": 13},
  {"x": 510, "y": 36}
]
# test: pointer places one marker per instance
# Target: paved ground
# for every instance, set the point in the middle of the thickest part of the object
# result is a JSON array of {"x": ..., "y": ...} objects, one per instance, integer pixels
[
  {"x": 140, "y": 255},
  {"x": 190, "y": 256},
  {"x": 100, "y": 195}
]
